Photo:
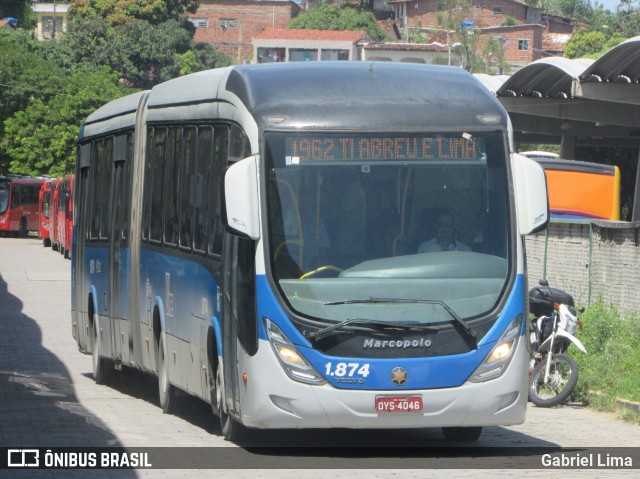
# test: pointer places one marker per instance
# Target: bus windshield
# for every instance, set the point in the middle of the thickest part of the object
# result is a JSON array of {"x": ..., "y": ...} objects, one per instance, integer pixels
[
  {"x": 4, "y": 195},
  {"x": 393, "y": 227}
]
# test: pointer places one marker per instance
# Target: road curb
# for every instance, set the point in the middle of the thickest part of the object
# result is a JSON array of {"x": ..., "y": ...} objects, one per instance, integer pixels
[{"x": 621, "y": 405}]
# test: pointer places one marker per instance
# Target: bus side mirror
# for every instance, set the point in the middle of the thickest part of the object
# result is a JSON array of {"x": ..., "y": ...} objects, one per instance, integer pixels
[
  {"x": 241, "y": 197},
  {"x": 532, "y": 204}
]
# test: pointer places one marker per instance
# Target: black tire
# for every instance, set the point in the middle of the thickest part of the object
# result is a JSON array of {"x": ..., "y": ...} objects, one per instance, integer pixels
[
  {"x": 462, "y": 434},
  {"x": 99, "y": 363},
  {"x": 22, "y": 229},
  {"x": 563, "y": 377},
  {"x": 231, "y": 429},
  {"x": 213, "y": 390},
  {"x": 166, "y": 390}
]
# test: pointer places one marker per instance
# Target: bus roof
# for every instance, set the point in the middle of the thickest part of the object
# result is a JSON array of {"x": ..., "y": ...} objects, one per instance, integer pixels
[
  {"x": 339, "y": 95},
  {"x": 364, "y": 94},
  {"x": 575, "y": 165},
  {"x": 21, "y": 179},
  {"x": 118, "y": 114},
  {"x": 316, "y": 95}
]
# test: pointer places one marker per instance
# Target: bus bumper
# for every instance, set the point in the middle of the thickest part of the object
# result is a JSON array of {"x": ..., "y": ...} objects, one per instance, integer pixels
[{"x": 270, "y": 399}]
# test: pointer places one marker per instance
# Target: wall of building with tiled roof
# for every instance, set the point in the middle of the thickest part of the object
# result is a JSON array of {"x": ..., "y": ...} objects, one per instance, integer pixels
[
  {"x": 278, "y": 45},
  {"x": 311, "y": 35},
  {"x": 231, "y": 25}
]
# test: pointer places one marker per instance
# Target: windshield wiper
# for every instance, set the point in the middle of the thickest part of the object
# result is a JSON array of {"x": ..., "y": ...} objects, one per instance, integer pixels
[
  {"x": 469, "y": 334},
  {"x": 368, "y": 324}
]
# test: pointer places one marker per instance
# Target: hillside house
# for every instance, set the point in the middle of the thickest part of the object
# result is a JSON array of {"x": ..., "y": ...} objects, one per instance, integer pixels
[
  {"x": 525, "y": 32},
  {"x": 231, "y": 25},
  {"x": 284, "y": 45},
  {"x": 51, "y": 20}
]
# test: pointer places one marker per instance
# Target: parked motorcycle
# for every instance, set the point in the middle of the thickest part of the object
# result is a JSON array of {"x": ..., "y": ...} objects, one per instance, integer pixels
[{"x": 553, "y": 374}]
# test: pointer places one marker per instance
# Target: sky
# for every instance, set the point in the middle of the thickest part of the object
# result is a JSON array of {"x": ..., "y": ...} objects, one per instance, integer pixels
[{"x": 608, "y": 4}]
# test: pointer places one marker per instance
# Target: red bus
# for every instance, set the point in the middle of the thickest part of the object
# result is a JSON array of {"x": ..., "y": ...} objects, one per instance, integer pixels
[
  {"x": 45, "y": 207},
  {"x": 19, "y": 204},
  {"x": 62, "y": 216}
]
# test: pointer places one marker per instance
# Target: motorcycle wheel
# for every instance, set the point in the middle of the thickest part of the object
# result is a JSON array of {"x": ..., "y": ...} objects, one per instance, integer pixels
[{"x": 563, "y": 377}]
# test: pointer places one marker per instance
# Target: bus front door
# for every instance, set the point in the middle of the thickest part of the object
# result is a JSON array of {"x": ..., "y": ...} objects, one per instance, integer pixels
[{"x": 118, "y": 267}]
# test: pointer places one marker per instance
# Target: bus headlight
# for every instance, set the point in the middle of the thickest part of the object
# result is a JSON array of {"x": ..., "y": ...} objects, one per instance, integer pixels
[
  {"x": 293, "y": 363},
  {"x": 500, "y": 356}
]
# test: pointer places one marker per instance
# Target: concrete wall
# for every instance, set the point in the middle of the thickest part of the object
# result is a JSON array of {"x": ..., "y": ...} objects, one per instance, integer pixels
[{"x": 593, "y": 261}]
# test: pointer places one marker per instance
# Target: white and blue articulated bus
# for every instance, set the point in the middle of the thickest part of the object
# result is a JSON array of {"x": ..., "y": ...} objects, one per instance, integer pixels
[{"x": 269, "y": 238}]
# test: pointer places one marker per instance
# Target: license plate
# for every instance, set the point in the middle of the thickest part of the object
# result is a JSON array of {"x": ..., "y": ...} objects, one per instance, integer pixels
[{"x": 398, "y": 403}]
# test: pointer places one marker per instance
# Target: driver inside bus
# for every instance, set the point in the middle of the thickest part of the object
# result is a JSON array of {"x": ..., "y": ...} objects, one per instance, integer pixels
[{"x": 446, "y": 236}]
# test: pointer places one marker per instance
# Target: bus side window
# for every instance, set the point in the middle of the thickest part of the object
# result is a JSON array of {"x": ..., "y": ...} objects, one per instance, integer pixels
[
  {"x": 203, "y": 167},
  {"x": 187, "y": 188},
  {"x": 82, "y": 198},
  {"x": 15, "y": 196},
  {"x": 239, "y": 146},
  {"x": 171, "y": 186},
  {"x": 156, "y": 169},
  {"x": 146, "y": 194},
  {"x": 127, "y": 185},
  {"x": 94, "y": 190},
  {"x": 220, "y": 155},
  {"x": 104, "y": 179}
]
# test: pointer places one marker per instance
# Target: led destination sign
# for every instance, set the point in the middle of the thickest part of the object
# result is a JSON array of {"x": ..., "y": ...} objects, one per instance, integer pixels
[{"x": 304, "y": 148}]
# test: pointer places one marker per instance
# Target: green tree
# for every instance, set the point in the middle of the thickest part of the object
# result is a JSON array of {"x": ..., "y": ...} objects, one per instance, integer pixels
[
  {"x": 585, "y": 43},
  {"x": 628, "y": 18},
  {"x": 41, "y": 139},
  {"x": 509, "y": 22},
  {"x": 493, "y": 55},
  {"x": 25, "y": 76},
  {"x": 150, "y": 51},
  {"x": 117, "y": 12},
  {"x": 575, "y": 9},
  {"x": 450, "y": 21},
  {"x": 24, "y": 73},
  {"x": 145, "y": 54},
  {"x": 330, "y": 17}
]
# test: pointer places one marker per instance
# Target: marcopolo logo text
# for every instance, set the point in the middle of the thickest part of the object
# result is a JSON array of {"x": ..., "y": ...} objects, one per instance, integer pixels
[{"x": 396, "y": 343}]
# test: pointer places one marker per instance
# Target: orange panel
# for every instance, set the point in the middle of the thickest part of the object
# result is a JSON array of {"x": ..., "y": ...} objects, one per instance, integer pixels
[{"x": 584, "y": 193}]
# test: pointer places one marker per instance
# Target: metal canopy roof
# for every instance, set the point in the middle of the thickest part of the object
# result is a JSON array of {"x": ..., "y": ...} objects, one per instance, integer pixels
[
  {"x": 577, "y": 102},
  {"x": 589, "y": 102},
  {"x": 620, "y": 64},
  {"x": 614, "y": 76},
  {"x": 545, "y": 78}
]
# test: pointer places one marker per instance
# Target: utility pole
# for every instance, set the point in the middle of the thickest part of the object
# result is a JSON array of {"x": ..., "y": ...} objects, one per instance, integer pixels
[{"x": 53, "y": 34}]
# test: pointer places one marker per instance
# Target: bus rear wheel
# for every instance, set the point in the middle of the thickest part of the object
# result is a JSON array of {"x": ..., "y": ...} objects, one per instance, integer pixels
[
  {"x": 99, "y": 365},
  {"x": 166, "y": 390},
  {"x": 462, "y": 434}
]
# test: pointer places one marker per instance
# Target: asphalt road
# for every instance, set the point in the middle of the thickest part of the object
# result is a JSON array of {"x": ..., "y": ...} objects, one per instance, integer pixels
[{"x": 48, "y": 399}]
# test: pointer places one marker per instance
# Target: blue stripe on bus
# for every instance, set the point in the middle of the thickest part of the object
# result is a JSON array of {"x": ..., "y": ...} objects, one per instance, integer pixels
[{"x": 424, "y": 373}]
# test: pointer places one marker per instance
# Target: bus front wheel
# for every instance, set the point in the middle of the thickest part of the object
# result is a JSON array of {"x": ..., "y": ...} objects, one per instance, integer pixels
[
  {"x": 166, "y": 390},
  {"x": 231, "y": 429}
]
